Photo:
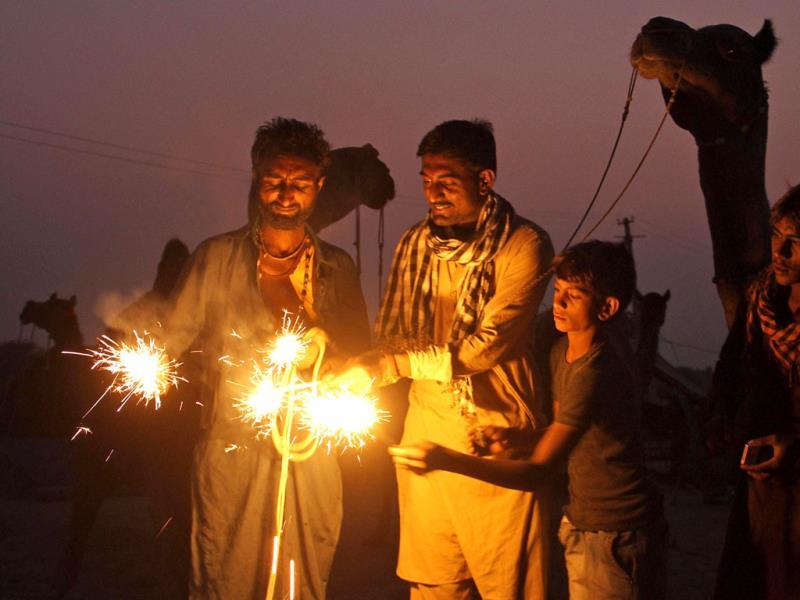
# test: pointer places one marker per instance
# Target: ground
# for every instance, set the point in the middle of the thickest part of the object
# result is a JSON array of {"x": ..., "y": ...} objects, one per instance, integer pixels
[{"x": 123, "y": 558}]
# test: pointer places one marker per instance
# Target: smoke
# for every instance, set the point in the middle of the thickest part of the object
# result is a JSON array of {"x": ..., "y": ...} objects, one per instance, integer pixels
[{"x": 109, "y": 305}]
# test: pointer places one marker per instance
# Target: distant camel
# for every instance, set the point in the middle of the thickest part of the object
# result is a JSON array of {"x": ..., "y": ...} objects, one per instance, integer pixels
[
  {"x": 356, "y": 176},
  {"x": 722, "y": 102}
]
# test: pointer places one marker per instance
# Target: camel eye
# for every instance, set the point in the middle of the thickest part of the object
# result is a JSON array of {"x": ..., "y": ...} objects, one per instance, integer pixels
[{"x": 728, "y": 50}]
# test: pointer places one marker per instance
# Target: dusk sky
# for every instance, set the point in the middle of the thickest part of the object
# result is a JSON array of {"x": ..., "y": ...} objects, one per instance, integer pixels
[{"x": 195, "y": 79}]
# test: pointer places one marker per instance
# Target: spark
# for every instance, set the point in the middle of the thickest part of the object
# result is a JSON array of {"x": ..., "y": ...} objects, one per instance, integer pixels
[
  {"x": 342, "y": 417},
  {"x": 141, "y": 370},
  {"x": 109, "y": 454},
  {"x": 163, "y": 527},
  {"x": 233, "y": 448},
  {"x": 81, "y": 430},
  {"x": 289, "y": 345},
  {"x": 260, "y": 406}
]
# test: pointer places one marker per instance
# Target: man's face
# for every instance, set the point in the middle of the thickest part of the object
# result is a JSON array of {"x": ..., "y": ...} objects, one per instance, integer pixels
[
  {"x": 287, "y": 187},
  {"x": 452, "y": 190},
  {"x": 574, "y": 307},
  {"x": 786, "y": 252}
]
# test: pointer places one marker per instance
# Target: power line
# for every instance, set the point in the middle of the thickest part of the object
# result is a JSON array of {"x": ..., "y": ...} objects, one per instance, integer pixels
[
  {"x": 118, "y": 158},
  {"x": 691, "y": 347},
  {"x": 119, "y": 146}
]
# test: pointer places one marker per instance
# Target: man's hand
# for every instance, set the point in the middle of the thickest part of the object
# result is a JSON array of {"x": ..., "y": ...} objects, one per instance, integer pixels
[
  {"x": 361, "y": 371},
  {"x": 318, "y": 341},
  {"x": 781, "y": 445},
  {"x": 421, "y": 457}
]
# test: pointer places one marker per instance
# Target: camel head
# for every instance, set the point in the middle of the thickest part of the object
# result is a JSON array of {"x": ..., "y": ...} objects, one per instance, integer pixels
[
  {"x": 356, "y": 176},
  {"x": 721, "y": 84},
  {"x": 56, "y": 316},
  {"x": 653, "y": 307}
]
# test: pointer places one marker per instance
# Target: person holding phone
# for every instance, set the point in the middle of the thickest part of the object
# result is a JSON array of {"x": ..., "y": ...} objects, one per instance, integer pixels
[{"x": 758, "y": 397}]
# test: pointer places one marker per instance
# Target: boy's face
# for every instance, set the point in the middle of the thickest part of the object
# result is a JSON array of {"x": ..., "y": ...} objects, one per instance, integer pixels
[
  {"x": 786, "y": 252},
  {"x": 576, "y": 309}
]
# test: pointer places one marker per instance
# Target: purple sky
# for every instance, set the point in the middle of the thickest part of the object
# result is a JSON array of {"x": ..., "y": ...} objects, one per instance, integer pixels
[{"x": 196, "y": 79}]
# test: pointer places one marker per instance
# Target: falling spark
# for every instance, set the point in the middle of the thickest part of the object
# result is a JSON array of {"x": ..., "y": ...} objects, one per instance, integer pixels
[
  {"x": 81, "y": 430},
  {"x": 233, "y": 448},
  {"x": 163, "y": 527},
  {"x": 142, "y": 370},
  {"x": 291, "y": 579},
  {"x": 109, "y": 454}
]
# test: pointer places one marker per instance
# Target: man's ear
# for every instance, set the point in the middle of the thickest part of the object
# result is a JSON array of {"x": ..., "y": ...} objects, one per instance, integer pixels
[
  {"x": 321, "y": 181},
  {"x": 254, "y": 174},
  {"x": 609, "y": 308},
  {"x": 486, "y": 181}
]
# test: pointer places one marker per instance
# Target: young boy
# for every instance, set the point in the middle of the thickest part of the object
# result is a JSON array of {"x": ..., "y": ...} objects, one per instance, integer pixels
[{"x": 613, "y": 530}]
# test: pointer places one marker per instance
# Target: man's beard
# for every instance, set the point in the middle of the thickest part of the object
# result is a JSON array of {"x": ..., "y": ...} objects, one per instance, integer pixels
[{"x": 279, "y": 221}]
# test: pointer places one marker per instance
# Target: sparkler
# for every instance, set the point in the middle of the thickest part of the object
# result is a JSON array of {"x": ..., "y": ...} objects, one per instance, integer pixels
[
  {"x": 142, "y": 370},
  {"x": 280, "y": 404},
  {"x": 342, "y": 417}
]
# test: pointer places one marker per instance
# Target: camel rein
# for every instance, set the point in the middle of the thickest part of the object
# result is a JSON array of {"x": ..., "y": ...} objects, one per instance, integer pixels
[{"x": 631, "y": 86}]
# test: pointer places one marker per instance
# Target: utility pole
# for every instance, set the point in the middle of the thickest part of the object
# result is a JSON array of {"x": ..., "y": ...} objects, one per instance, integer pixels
[{"x": 627, "y": 239}]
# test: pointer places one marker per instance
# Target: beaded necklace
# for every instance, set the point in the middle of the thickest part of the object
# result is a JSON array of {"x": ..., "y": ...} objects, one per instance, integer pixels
[{"x": 291, "y": 260}]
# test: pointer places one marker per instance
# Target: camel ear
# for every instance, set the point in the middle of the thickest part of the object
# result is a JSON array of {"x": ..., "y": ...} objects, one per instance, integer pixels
[
  {"x": 53, "y": 296},
  {"x": 73, "y": 300},
  {"x": 667, "y": 295},
  {"x": 765, "y": 42}
]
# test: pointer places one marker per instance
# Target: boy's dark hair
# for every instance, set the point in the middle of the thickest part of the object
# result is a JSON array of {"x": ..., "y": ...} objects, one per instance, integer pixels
[
  {"x": 471, "y": 141},
  {"x": 282, "y": 136},
  {"x": 787, "y": 207},
  {"x": 604, "y": 268}
]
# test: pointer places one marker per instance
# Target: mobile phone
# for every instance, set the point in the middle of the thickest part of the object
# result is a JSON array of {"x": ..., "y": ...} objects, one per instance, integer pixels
[{"x": 752, "y": 455}]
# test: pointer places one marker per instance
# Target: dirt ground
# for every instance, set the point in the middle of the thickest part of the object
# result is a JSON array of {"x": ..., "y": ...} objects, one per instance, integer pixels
[{"x": 124, "y": 558}]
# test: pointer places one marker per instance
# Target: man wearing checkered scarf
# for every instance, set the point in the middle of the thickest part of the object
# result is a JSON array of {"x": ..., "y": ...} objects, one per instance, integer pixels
[
  {"x": 757, "y": 396},
  {"x": 457, "y": 319}
]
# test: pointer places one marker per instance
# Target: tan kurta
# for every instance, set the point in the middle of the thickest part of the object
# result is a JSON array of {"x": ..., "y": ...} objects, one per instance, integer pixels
[{"x": 454, "y": 527}]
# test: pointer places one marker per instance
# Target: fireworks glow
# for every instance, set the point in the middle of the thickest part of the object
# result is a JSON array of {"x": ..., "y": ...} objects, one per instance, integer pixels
[
  {"x": 260, "y": 406},
  {"x": 342, "y": 417},
  {"x": 142, "y": 370}
]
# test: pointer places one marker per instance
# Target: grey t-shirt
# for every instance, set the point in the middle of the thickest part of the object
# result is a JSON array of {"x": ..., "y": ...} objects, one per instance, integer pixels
[{"x": 608, "y": 488}]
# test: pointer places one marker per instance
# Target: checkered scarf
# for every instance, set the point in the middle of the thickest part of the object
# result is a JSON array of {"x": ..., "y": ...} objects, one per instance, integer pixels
[
  {"x": 411, "y": 291},
  {"x": 766, "y": 296},
  {"x": 405, "y": 318}
]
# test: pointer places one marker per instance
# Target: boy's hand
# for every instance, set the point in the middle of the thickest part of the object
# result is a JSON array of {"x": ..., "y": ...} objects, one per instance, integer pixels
[
  {"x": 509, "y": 442},
  {"x": 421, "y": 457},
  {"x": 781, "y": 445}
]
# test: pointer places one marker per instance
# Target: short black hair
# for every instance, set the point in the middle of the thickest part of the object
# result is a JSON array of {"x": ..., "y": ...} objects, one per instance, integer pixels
[
  {"x": 282, "y": 136},
  {"x": 604, "y": 268},
  {"x": 471, "y": 141},
  {"x": 788, "y": 207}
]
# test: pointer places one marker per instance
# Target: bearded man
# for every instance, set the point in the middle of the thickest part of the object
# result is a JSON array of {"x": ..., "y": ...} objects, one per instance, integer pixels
[
  {"x": 457, "y": 319},
  {"x": 232, "y": 298}
]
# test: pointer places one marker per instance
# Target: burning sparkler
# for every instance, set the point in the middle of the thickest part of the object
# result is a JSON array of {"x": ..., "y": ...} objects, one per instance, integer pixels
[
  {"x": 298, "y": 415},
  {"x": 342, "y": 417},
  {"x": 141, "y": 370}
]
